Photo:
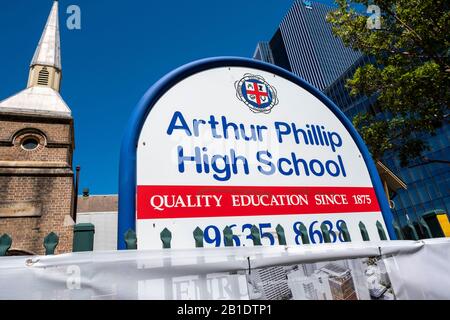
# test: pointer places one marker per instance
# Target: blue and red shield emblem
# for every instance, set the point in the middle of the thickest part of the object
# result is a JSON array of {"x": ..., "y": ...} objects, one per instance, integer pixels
[{"x": 256, "y": 93}]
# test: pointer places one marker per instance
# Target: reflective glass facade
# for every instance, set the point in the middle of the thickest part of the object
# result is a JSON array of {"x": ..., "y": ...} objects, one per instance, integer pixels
[
  {"x": 305, "y": 45},
  {"x": 302, "y": 46},
  {"x": 428, "y": 183}
]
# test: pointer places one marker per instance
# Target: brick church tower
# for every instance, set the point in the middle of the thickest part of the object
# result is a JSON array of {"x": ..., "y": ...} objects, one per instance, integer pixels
[{"x": 36, "y": 150}]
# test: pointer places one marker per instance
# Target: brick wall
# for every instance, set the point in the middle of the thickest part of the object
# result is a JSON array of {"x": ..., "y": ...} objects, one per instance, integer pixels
[
  {"x": 28, "y": 177},
  {"x": 55, "y": 140},
  {"x": 56, "y": 132}
]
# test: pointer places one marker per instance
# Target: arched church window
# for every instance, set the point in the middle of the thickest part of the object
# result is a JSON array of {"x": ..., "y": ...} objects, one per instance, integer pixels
[{"x": 29, "y": 139}]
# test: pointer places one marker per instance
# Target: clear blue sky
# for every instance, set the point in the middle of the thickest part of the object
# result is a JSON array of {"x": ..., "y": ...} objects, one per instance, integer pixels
[{"x": 122, "y": 49}]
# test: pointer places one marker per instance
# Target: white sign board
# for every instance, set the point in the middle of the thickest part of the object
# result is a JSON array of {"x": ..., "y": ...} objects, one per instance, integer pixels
[{"x": 239, "y": 146}]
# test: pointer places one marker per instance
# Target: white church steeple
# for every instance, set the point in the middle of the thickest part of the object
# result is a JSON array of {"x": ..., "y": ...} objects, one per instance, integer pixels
[
  {"x": 45, "y": 68},
  {"x": 44, "y": 81}
]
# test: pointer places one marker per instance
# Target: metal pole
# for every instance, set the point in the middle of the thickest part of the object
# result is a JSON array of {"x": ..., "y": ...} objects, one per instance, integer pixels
[{"x": 75, "y": 200}]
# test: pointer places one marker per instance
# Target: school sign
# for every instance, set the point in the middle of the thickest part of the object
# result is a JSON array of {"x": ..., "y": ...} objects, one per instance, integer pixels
[{"x": 232, "y": 142}]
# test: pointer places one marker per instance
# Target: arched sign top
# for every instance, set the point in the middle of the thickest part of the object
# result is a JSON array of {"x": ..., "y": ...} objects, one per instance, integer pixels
[{"x": 240, "y": 128}]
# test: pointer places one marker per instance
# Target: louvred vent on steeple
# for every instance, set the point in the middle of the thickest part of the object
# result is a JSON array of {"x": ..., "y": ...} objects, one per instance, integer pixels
[{"x": 43, "y": 77}]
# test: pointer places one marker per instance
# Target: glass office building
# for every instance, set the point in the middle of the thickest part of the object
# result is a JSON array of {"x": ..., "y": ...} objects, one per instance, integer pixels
[
  {"x": 428, "y": 183},
  {"x": 305, "y": 45}
]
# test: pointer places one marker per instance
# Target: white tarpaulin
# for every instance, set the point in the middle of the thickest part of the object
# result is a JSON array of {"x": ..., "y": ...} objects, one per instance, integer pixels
[
  {"x": 419, "y": 270},
  {"x": 371, "y": 270}
]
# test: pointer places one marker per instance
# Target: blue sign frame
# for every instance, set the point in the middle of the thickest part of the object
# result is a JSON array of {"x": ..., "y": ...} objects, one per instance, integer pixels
[{"x": 127, "y": 167}]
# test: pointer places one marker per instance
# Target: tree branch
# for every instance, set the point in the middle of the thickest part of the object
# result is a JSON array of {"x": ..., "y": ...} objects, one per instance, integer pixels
[{"x": 429, "y": 51}]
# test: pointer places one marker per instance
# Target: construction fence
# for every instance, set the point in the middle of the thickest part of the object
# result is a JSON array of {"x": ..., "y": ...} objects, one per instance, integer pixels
[{"x": 347, "y": 271}]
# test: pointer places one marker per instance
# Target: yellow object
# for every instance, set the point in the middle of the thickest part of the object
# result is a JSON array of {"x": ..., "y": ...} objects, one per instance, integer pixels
[{"x": 445, "y": 224}]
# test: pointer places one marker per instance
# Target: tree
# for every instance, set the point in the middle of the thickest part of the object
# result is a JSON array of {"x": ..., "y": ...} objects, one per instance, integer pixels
[{"x": 409, "y": 74}]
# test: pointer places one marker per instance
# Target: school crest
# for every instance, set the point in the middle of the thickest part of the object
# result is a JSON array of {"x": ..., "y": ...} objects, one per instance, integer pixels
[{"x": 256, "y": 93}]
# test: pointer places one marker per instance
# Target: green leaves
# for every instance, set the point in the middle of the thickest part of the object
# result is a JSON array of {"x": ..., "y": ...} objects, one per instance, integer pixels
[{"x": 409, "y": 75}]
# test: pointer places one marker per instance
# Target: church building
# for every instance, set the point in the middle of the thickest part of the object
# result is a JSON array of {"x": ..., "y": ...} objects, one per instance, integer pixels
[{"x": 36, "y": 152}]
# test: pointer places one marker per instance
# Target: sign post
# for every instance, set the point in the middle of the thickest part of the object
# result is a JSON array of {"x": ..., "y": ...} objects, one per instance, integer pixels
[{"x": 238, "y": 143}]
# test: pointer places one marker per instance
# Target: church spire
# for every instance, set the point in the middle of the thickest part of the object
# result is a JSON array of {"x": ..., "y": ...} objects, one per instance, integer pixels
[
  {"x": 42, "y": 94},
  {"x": 45, "y": 68}
]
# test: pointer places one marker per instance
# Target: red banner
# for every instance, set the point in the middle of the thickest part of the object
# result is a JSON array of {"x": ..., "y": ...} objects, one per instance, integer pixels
[{"x": 163, "y": 202}]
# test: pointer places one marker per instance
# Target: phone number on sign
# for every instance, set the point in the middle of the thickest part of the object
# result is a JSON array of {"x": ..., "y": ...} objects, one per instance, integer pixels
[{"x": 213, "y": 235}]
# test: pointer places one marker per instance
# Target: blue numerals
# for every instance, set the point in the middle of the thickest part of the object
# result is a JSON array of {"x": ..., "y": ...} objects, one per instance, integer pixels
[
  {"x": 315, "y": 234},
  {"x": 213, "y": 235},
  {"x": 215, "y": 238}
]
